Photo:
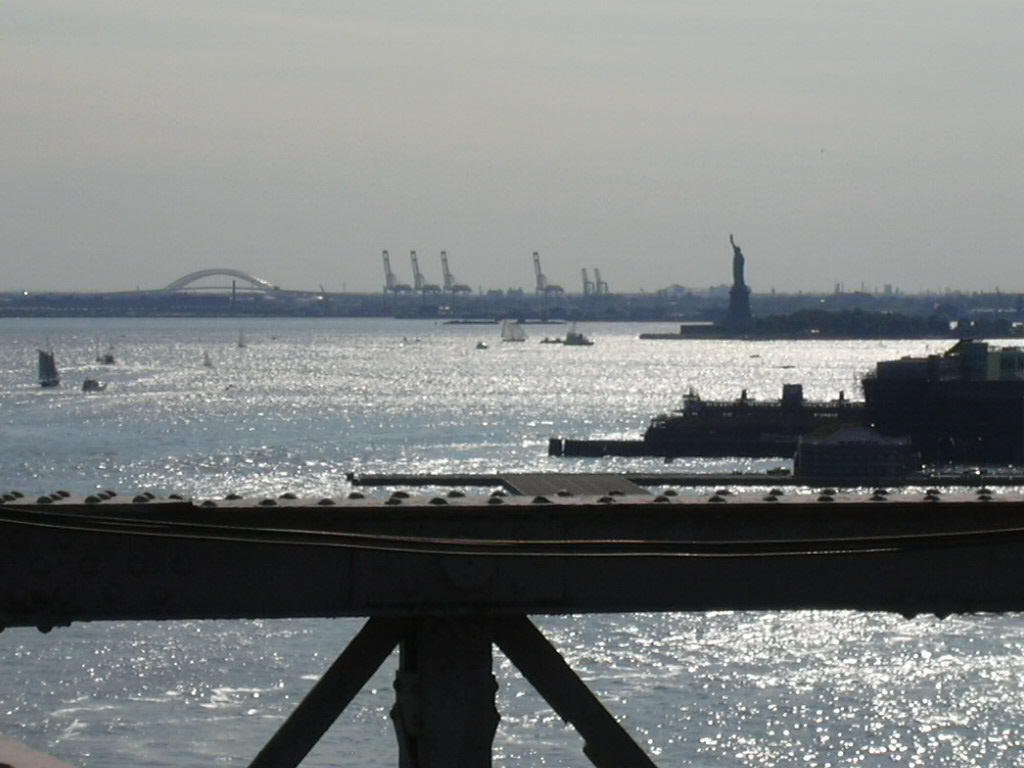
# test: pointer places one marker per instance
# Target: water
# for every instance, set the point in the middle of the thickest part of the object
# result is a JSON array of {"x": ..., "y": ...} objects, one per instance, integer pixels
[{"x": 307, "y": 401}]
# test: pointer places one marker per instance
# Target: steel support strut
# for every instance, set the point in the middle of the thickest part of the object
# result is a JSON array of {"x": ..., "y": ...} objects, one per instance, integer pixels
[
  {"x": 444, "y": 710},
  {"x": 332, "y": 693},
  {"x": 606, "y": 743}
]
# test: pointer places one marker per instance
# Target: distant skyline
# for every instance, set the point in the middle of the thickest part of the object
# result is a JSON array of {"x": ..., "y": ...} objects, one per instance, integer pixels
[{"x": 855, "y": 143}]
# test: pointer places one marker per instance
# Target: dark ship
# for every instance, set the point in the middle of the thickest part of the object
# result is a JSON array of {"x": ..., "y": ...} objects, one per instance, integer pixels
[{"x": 964, "y": 405}]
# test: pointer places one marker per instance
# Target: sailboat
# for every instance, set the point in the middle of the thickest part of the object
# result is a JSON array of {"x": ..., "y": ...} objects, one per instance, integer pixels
[
  {"x": 48, "y": 375},
  {"x": 105, "y": 358},
  {"x": 512, "y": 331}
]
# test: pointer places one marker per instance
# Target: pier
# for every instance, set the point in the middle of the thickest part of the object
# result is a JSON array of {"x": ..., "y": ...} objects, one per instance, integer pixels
[{"x": 445, "y": 578}]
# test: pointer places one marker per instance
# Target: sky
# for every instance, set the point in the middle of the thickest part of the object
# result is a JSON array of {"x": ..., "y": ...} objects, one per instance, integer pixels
[{"x": 863, "y": 143}]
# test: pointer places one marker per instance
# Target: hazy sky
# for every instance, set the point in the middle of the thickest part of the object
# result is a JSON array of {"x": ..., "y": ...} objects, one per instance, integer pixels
[{"x": 857, "y": 142}]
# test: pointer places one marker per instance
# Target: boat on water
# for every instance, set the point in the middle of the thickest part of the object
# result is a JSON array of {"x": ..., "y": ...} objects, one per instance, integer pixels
[
  {"x": 511, "y": 331},
  {"x": 106, "y": 357},
  {"x": 963, "y": 405},
  {"x": 48, "y": 374},
  {"x": 481, "y": 345},
  {"x": 576, "y": 339},
  {"x": 93, "y": 385}
]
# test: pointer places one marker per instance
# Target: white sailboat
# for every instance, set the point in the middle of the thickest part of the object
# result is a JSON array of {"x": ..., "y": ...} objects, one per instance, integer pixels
[{"x": 512, "y": 331}]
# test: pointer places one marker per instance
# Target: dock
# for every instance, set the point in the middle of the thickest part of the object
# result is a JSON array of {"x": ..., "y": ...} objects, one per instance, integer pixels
[{"x": 632, "y": 483}]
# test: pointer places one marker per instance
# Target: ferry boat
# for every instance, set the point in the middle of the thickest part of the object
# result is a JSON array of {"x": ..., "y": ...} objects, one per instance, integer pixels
[{"x": 963, "y": 405}]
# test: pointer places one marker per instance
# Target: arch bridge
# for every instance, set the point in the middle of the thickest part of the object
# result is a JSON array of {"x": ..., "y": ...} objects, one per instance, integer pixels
[{"x": 188, "y": 282}]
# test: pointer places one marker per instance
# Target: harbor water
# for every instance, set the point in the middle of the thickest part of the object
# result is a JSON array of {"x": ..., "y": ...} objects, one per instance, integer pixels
[{"x": 295, "y": 405}]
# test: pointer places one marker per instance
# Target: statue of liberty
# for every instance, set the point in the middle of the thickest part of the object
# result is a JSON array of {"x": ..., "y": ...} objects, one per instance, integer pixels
[{"x": 737, "y": 263}]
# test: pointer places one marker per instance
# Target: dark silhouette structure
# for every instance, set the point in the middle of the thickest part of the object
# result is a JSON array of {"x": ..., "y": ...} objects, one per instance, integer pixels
[{"x": 738, "y": 316}]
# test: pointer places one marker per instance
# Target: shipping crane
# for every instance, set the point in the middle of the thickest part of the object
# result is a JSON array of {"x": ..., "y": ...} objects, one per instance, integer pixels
[
  {"x": 542, "y": 282},
  {"x": 588, "y": 287},
  {"x": 390, "y": 284},
  {"x": 600, "y": 286},
  {"x": 418, "y": 282},
  {"x": 449, "y": 279}
]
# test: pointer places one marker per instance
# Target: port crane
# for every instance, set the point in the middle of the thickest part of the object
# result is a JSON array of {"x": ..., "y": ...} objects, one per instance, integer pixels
[
  {"x": 588, "y": 285},
  {"x": 543, "y": 286},
  {"x": 391, "y": 285},
  {"x": 419, "y": 284},
  {"x": 449, "y": 279},
  {"x": 600, "y": 286}
]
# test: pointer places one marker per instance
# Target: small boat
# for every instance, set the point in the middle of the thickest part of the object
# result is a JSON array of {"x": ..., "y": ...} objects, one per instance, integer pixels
[
  {"x": 105, "y": 358},
  {"x": 512, "y": 331},
  {"x": 93, "y": 385},
  {"x": 576, "y": 339},
  {"x": 48, "y": 375},
  {"x": 481, "y": 345}
]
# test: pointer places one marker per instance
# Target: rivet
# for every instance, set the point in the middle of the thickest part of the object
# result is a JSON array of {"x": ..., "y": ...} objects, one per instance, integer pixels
[
  {"x": 356, "y": 495},
  {"x": 606, "y": 500},
  {"x": 881, "y": 492},
  {"x": 176, "y": 496},
  {"x": 140, "y": 499},
  {"x": 662, "y": 499},
  {"x": 828, "y": 492},
  {"x": 541, "y": 500},
  {"x": 985, "y": 489},
  {"x": 671, "y": 492},
  {"x": 495, "y": 500},
  {"x": 984, "y": 497},
  {"x": 438, "y": 500},
  {"x": 498, "y": 493},
  {"x": 288, "y": 495},
  {"x": 232, "y": 497},
  {"x": 933, "y": 492},
  {"x": 93, "y": 499},
  {"x": 771, "y": 497},
  {"x": 44, "y": 500},
  {"x": 716, "y": 499},
  {"x": 825, "y": 497},
  {"x": 268, "y": 503},
  {"x": 325, "y": 502},
  {"x": 776, "y": 492},
  {"x": 393, "y": 501},
  {"x": 400, "y": 495},
  {"x": 209, "y": 503},
  {"x": 930, "y": 497},
  {"x": 455, "y": 494}
]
